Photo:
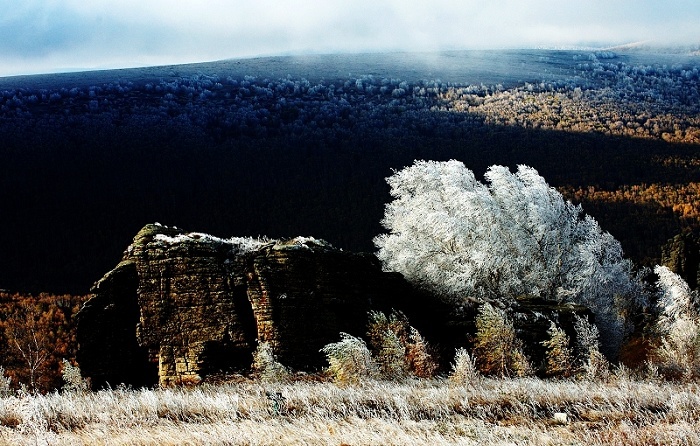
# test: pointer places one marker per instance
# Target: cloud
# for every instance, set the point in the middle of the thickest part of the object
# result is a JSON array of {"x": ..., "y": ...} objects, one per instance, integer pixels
[{"x": 49, "y": 35}]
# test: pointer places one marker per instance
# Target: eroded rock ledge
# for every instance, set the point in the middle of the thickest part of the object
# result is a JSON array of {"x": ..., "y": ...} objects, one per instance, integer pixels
[{"x": 181, "y": 306}]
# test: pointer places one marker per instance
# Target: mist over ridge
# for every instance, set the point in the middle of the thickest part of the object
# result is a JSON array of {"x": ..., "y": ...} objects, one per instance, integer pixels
[{"x": 69, "y": 35}]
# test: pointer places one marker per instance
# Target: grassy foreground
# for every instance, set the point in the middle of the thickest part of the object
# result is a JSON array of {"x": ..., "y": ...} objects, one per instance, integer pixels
[{"x": 435, "y": 412}]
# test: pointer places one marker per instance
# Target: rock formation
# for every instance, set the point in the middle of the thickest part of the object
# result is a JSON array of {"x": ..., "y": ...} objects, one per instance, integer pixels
[{"x": 183, "y": 306}]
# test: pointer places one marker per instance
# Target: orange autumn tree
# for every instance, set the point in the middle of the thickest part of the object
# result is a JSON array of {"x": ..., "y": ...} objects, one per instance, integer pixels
[{"x": 36, "y": 332}]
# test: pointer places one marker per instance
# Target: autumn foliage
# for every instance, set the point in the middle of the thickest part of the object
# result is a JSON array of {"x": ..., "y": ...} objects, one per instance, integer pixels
[{"x": 36, "y": 333}]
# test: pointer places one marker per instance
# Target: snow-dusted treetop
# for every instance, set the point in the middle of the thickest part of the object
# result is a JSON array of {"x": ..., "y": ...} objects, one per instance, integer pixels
[
  {"x": 514, "y": 236},
  {"x": 676, "y": 300}
]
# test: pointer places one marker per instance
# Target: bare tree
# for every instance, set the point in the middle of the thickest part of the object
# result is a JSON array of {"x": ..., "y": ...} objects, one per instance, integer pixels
[{"x": 24, "y": 332}]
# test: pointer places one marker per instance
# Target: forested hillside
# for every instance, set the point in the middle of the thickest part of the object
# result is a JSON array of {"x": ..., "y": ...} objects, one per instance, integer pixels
[{"x": 85, "y": 165}]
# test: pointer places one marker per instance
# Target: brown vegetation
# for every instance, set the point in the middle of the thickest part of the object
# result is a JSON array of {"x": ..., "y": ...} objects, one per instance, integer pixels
[
  {"x": 36, "y": 332},
  {"x": 682, "y": 199}
]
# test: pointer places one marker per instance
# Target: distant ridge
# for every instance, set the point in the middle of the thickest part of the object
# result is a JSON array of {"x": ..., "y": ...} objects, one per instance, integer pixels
[
  {"x": 640, "y": 45},
  {"x": 652, "y": 46},
  {"x": 505, "y": 66}
]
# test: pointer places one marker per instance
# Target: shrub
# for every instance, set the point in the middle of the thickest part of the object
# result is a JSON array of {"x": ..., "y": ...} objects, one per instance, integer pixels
[
  {"x": 559, "y": 354},
  {"x": 391, "y": 357},
  {"x": 589, "y": 360},
  {"x": 497, "y": 349},
  {"x": 5, "y": 382},
  {"x": 349, "y": 360},
  {"x": 387, "y": 337},
  {"x": 399, "y": 348},
  {"x": 678, "y": 354},
  {"x": 266, "y": 366},
  {"x": 420, "y": 360},
  {"x": 464, "y": 368},
  {"x": 72, "y": 379}
]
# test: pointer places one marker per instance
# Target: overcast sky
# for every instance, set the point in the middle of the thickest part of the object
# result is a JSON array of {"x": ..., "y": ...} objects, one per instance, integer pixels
[{"x": 58, "y": 35}]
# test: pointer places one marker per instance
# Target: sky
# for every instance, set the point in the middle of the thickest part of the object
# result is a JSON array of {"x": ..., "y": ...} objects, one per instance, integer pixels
[{"x": 43, "y": 36}]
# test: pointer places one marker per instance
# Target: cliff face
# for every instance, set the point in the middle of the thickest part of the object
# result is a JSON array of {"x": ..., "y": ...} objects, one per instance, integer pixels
[
  {"x": 182, "y": 306},
  {"x": 109, "y": 351}
]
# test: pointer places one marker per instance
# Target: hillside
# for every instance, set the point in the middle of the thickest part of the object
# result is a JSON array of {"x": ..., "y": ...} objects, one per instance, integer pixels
[{"x": 289, "y": 146}]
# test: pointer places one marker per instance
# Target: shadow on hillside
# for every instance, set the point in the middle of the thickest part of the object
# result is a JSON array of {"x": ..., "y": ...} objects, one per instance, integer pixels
[{"x": 72, "y": 201}]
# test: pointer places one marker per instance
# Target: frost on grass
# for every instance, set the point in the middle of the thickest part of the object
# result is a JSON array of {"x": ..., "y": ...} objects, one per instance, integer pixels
[{"x": 415, "y": 412}]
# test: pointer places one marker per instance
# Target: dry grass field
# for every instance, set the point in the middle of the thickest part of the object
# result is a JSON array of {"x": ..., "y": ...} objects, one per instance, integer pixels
[{"x": 621, "y": 411}]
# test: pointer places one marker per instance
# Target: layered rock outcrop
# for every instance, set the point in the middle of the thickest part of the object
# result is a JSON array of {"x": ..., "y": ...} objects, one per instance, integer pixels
[{"x": 183, "y": 306}]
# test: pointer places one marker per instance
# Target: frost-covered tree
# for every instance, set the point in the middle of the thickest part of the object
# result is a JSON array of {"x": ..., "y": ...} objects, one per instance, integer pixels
[
  {"x": 589, "y": 360},
  {"x": 678, "y": 326},
  {"x": 497, "y": 349},
  {"x": 512, "y": 236},
  {"x": 463, "y": 368},
  {"x": 560, "y": 357}
]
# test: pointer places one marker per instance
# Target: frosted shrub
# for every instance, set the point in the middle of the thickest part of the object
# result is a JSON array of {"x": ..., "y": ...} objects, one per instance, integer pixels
[
  {"x": 391, "y": 357},
  {"x": 349, "y": 360},
  {"x": 5, "y": 381},
  {"x": 589, "y": 359},
  {"x": 560, "y": 358},
  {"x": 464, "y": 368},
  {"x": 497, "y": 349},
  {"x": 399, "y": 349},
  {"x": 420, "y": 360},
  {"x": 678, "y": 354},
  {"x": 587, "y": 336},
  {"x": 596, "y": 367},
  {"x": 387, "y": 337},
  {"x": 73, "y": 381},
  {"x": 266, "y": 366}
]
